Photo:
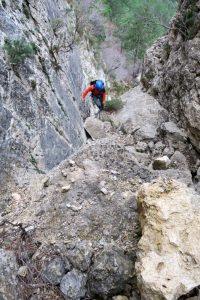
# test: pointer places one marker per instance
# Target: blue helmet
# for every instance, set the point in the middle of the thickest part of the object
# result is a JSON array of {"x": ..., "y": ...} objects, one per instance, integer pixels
[{"x": 99, "y": 85}]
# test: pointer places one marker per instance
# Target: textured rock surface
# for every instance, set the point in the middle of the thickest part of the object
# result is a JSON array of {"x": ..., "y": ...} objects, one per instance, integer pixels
[
  {"x": 168, "y": 258},
  {"x": 73, "y": 285},
  {"x": 110, "y": 273},
  {"x": 95, "y": 128},
  {"x": 40, "y": 108},
  {"x": 143, "y": 112},
  {"x": 171, "y": 69},
  {"x": 54, "y": 271},
  {"x": 9, "y": 288}
]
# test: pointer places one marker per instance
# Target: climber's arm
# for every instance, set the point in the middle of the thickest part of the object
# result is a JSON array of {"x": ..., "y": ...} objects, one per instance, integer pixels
[{"x": 89, "y": 89}]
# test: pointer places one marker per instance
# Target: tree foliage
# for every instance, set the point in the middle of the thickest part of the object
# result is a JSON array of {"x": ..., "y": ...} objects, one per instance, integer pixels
[{"x": 139, "y": 22}]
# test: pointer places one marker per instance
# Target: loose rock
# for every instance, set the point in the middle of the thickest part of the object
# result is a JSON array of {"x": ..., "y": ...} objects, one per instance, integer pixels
[
  {"x": 161, "y": 163},
  {"x": 73, "y": 285},
  {"x": 65, "y": 188},
  {"x": 54, "y": 271}
]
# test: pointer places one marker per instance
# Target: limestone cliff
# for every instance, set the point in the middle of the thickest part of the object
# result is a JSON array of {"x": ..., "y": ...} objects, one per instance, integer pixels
[
  {"x": 40, "y": 109},
  {"x": 171, "y": 69}
]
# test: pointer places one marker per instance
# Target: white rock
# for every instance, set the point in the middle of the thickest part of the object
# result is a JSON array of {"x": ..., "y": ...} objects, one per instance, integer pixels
[
  {"x": 72, "y": 163},
  {"x": 104, "y": 191},
  {"x": 16, "y": 197},
  {"x": 65, "y": 188},
  {"x": 74, "y": 208},
  {"x": 64, "y": 173},
  {"x": 22, "y": 271},
  {"x": 29, "y": 228},
  {"x": 168, "y": 263}
]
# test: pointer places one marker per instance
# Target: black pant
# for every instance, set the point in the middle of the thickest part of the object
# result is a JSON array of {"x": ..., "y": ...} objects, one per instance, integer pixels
[{"x": 98, "y": 101}]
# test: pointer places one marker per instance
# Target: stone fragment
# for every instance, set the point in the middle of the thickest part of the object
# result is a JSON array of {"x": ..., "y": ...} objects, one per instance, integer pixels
[
  {"x": 64, "y": 173},
  {"x": 9, "y": 288},
  {"x": 65, "y": 188},
  {"x": 104, "y": 191},
  {"x": 29, "y": 228},
  {"x": 54, "y": 271},
  {"x": 80, "y": 256},
  {"x": 22, "y": 271},
  {"x": 141, "y": 147},
  {"x": 161, "y": 163},
  {"x": 72, "y": 163},
  {"x": 168, "y": 262},
  {"x": 73, "y": 285},
  {"x": 95, "y": 128}
]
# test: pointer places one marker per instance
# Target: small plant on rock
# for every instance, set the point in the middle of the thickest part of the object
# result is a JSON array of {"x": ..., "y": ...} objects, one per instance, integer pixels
[
  {"x": 18, "y": 50},
  {"x": 113, "y": 105}
]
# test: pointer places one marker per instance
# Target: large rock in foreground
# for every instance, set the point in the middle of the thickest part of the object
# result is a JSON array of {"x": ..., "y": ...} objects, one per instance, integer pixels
[{"x": 168, "y": 263}]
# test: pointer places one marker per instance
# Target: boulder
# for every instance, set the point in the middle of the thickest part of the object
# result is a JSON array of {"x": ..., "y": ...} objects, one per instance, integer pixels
[
  {"x": 9, "y": 289},
  {"x": 141, "y": 112},
  {"x": 111, "y": 271},
  {"x": 73, "y": 285},
  {"x": 168, "y": 261},
  {"x": 95, "y": 128}
]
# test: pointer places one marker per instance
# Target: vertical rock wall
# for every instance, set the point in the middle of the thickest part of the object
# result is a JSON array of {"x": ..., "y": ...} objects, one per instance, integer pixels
[
  {"x": 171, "y": 69},
  {"x": 40, "y": 107}
]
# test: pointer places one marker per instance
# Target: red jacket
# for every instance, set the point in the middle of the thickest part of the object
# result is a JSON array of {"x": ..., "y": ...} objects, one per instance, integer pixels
[{"x": 95, "y": 92}]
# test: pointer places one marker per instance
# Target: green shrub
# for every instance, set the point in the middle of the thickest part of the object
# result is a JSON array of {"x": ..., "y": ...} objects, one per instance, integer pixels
[
  {"x": 18, "y": 50},
  {"x": 113, "y": 105}
]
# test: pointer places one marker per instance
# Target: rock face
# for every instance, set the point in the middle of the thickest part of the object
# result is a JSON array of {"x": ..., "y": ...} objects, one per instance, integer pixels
[
  {"x": 40, "y": 108},
  {"x": 9, "y": 289},
  {"x": 168, "y": 264},
  {"x": 171, "y": 69}
]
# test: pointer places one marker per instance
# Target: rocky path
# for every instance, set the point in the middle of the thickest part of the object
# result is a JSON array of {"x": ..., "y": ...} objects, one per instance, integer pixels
[{"x": 83, "y": 215}]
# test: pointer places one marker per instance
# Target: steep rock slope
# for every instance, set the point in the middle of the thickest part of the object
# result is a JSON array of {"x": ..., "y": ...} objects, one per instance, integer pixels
[
  {"x": 171, "y": 69},
  {"x": 79, "y": 223},
  {"x": 40, "y": 108}
]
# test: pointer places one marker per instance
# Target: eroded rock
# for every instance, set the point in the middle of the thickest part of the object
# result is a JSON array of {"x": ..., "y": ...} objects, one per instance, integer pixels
[
  {"x": 54, "y": 271},
  {"x": 73, "y": 285},
  {"x": 168, "y": 263},
  {"x": 110, "y": 273}
]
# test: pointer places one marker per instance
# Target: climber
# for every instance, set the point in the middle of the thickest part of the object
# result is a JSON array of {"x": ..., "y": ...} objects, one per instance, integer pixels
[{"x": 98, "y": 93}]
